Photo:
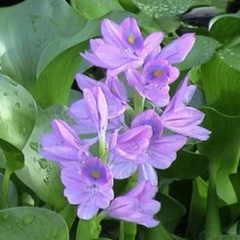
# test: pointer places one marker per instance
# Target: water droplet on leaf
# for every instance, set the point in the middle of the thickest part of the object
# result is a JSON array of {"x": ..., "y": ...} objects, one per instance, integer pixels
[
  {"x": 18, "y": 105},
  {"x": 34, "y": 146},
  {"x": 28, "y": 219},
  {"x": 43, "y": 163}
]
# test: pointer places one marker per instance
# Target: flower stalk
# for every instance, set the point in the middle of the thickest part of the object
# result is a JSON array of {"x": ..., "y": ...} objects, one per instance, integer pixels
[{"x": 213, "y": 224}]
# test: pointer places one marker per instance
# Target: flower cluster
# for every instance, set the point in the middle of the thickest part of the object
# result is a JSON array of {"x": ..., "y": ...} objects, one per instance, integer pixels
[{"x": 132, "y": 140}]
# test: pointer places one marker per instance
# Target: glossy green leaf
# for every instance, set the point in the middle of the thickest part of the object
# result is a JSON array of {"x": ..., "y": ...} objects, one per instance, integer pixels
[
  {"x": 231, "y": 56},
  {"x": 130, "y": 230},
  {"x": 129, "y": 5},
  {"x": 171, "y": 211},
  {"x": 16, "y": 105},
  {"x": 229, "y": 214},
  {"x": 34, "y": 25},
  {"x": 235, "y": 180},
  {"x": 60, "y": 78},
  {"x": 188, "y": 165},
  {"x": 23, "y": 223},
  {"x": 222, "y": 149},
  {"x": 151, "y": 233},
  {"x": 92, "y": 9},
  {"x": 62, "y": 54},
  {"x": 226, "y": 237},
  {"x": 201, "y": 52},
  {"x": 12, "y": 193},
  {"x": 88, "y": 229},
  {"x": 14, "y": 157},
  {"x": 221, "y": 85},
  {"x": 163, "y": 8},
  {"x": 226, "y": 29},
  {"x": 40, "y": 175},
  {"x": 198, "y": 207}
]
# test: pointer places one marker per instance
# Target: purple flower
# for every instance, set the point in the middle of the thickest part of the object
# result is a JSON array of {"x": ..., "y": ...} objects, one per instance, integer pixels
[
  {"x": 90, "y": 113},
  {"x": 113, "y": 90},
  {"x": 89, "y": 187},
  {"x": 158, "y": 72},
  {"x": 63, "y": 144},
  {"x": 122, "y": 46},
  {"x": 136, "y": 206},
  {"x": 132, "y": 143},
  {"x": 177, "y": 50},
  {"x": 182, "y": 119},
  {"x": 127, "y": 151},
  {"x": 161, "y": 151},
  {"x": 157, "y": 151},
  {"x": 153, "y": 82}
]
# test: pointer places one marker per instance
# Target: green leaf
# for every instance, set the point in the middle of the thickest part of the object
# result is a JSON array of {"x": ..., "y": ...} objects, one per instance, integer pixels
[
  {"x": 14, "y": 157},
  {"x": 92, "y": 9},
  {"x": 226, "y": 237},
  {"x": 198, "y": 207},
  {"x": 171, "y": 211},
  {"x": 88, "y": 229},
  {"x": 231, "y": 56},
  {"x": 129, "y": 5},
  {"x": 60, "y": 77},
  {"x": 23, "y": 223},
  {"x": 235, "y": 180},
  {"x": 223, "y": 149},
  {"x": 226, "y": 29},
  {"x": 16, "y": 106},
  {"x": 40, "y": 175},
  {"x": 188, "y": 165},
  {"x": 130, "y": 230},
  {"x": 201, "y": 52},
  {"x": 34, "y": 25},
  {"x": 163, "y": 8},
  {"x": 229, "y": 214},
  {"x": 221, "y": 85},
  {"x": 151, "y": 233},
  {"x": 12, "y": 193}
]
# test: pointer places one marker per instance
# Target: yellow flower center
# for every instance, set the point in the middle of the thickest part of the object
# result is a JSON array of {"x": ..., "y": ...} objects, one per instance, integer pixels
[
  {"x": 95, "y": 174},
  {"x": 131, "y": 39},
  {"x": 157, "y": 73}
]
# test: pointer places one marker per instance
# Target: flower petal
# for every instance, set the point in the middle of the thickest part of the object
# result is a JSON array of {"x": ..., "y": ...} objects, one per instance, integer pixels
[{"x": 177, "y": 50}]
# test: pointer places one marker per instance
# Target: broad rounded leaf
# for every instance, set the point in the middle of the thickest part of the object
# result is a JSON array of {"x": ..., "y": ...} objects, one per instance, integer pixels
[
  {"x": 40, "y": 175},
  {"x": 221, "y": 85},
  {"x": 226, "y": 28},
  {"x": 32, "y": 26},
  {"x": 92, "y": 9},
  {"x": 171, "y": 210},
  {"x": 188, "y": 165},
  {"x": 231, "y": 56},
  {"x": 23, "y": 223},
  {"x": 222, "y": 148},
  {"x": 163, "y": 8},
  {"x": 202, "y": 51},
  {"x": 16, "y": 106}
]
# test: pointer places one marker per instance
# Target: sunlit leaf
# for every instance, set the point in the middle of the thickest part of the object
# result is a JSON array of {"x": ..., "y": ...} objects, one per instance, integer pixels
[
  {"x": 40, "y": 175},
  {"x": 23, "y": 223},
  {"x": 92, "y": 9},
  {"x": 17, "y": 112}
]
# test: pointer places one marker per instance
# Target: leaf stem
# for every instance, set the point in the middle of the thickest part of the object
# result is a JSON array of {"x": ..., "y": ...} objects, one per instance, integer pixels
[
  {"x": 213, "y": 224},
  {"x": 138, "y": 102},
  {"x": 5, "y": 184},
  {"x": 121, "y": 231}
]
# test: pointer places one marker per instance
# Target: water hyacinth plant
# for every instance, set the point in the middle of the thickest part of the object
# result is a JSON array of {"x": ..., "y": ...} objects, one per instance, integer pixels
[
  {"x": 130, "y": 149},
  {"x": 118, "y": 121}
]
